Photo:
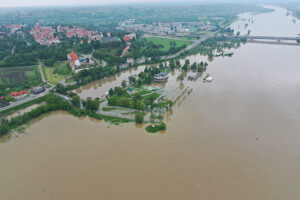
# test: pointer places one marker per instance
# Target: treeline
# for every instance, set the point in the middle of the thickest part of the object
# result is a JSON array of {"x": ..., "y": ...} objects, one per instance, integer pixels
[
  {"x": 86, "y": 76},
  {"x": 53, "y": 103},
  {"x": 146, "y": 48},
  {"x": 209, "y": 45},
  {"x": 106, "y": 18}
]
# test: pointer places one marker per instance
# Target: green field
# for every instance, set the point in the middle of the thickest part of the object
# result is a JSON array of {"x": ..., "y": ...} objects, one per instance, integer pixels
[
  {"x": 167, "y": 42},
  {"x": 17, "y": 75},
  {"x": 19, "y": 78},
  {"x": 57, "y": 73}
]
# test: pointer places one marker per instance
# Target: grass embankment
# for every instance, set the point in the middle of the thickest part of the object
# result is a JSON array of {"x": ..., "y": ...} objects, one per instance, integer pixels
[
  {"x": 167, "y": 43},
  {"x": 54, "y": 103},
  {"x": 57, "y": 73},
  {"x": 78, "y": 112},
  {"x": 21, "y": 106}
]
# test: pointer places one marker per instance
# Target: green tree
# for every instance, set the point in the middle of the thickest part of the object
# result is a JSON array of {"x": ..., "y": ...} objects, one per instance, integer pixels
[
  {"x": 111, "y": 92},
  {"x": 49, "y": 62},
  {"x": 177, "y": 63},
  {"x": 123, "y": 84},
  {"x": 124, "y": 102},
  {"x": 92, "y": 104},
  {"x": 187, "y": 62},
  {"x": 76, "y": 101},
  {"x": 172, "y": 64},
  {"x": 139, "y": 118},
  {"x": 132, "y": 79},
  {"x": 140, "y": 105},
  {"x": 119, "y": 91},
  {"x": 180, "y": 77},
  {"x": 194, "y": 66}
]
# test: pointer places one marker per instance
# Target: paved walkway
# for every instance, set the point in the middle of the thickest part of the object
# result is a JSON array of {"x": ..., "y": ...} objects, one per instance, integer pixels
[{"x": 114, "y": 113}]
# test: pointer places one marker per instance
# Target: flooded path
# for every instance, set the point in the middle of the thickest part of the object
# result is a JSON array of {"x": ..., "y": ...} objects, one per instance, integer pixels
[{"x": 235, "y": 138}]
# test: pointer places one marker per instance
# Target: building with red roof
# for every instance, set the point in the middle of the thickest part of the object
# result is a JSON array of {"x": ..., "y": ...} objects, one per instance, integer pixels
[
  {"x": 127, "y": 39},
  {"x": 73, "y": 61},
  {"x": 18, "y": 95}
]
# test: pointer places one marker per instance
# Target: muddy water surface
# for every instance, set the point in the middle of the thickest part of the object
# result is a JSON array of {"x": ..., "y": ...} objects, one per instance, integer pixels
[{"x": 235, "y": 138}]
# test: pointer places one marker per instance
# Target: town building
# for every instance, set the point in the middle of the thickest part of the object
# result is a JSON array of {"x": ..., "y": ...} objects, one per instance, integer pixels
[
  {"x": 129, "y": 37},
  {"x": 107, "y": 40},
  {"x": 19, "y": 95},
  {"x": 161, "y": 77},
  {"x": 73, "y": 61},
  {"x": 37, "y": 90},
  {"x": 44, "y": 35},
  {"x": 125, "y": 50},
  {"x": 130, "y": 60}
]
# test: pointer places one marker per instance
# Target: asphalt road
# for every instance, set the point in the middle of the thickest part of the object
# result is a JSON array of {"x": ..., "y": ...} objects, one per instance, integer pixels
[{"x": 24, "y": 100}]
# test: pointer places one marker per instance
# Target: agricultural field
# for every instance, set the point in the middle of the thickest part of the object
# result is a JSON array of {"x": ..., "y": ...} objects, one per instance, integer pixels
[
  {"x": 168, "y": 43},
  {"x": 20, "y": 77},
  {"x": 57, "y": 73}
]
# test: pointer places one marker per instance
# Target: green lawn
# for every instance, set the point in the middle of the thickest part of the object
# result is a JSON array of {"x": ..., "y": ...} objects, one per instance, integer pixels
[
  {"x": 53, "y": 77},
  {"x": 167, "y": 42},
  {"x": 107, "y": 109}
]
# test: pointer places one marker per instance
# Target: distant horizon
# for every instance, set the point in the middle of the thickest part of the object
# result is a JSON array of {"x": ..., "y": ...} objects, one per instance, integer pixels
[{"x": 76, "y": 3}]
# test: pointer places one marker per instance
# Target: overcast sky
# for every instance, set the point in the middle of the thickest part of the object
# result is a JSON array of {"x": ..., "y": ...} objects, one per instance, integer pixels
[{"x": 22, "y": 3}]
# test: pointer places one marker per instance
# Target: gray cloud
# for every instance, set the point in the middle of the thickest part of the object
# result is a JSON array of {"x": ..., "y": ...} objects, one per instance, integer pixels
[{"x": 22, "y": 3}]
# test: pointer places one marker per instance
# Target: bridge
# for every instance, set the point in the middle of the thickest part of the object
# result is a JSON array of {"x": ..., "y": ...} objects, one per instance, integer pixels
[{"x": 297, "y": 39}]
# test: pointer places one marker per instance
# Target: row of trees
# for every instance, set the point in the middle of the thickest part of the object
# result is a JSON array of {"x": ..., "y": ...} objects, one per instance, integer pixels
[
  {"x": 146, "y": 48},
  {"x": 53, "y": 103}
]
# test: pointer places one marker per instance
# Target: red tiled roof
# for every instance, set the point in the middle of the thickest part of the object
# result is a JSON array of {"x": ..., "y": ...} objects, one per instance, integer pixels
[
  {"x": 127, "y": 39},
  {"x": 15, "y": 94},
  {"x": 73, "y": 56}
]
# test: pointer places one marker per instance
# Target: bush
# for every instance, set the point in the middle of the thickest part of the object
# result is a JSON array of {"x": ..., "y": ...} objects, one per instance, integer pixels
[
  {"x": 139, "y": 118},
  {"x": 156, "y": 128}
]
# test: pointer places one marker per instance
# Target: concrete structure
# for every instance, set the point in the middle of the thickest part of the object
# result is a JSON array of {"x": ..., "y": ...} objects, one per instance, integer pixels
[{"x": 297, "y": 39}]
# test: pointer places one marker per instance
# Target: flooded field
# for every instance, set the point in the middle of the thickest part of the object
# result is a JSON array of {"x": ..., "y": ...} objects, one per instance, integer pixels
[{"x": 235, "y": 138}]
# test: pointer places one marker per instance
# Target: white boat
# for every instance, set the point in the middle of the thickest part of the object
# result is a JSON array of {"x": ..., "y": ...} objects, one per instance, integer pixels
[{"x": 209, "y": 79}]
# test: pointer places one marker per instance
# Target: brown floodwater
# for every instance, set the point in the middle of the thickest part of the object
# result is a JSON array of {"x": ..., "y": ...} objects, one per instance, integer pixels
[{"x": 235, "y": 138}]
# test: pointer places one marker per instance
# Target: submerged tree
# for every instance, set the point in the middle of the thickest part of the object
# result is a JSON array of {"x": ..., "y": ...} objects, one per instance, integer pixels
[{"x": 180, "y": 77}]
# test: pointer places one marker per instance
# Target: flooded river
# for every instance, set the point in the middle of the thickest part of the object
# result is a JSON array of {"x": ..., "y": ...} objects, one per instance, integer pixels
[{"x": 236, "y": 138}]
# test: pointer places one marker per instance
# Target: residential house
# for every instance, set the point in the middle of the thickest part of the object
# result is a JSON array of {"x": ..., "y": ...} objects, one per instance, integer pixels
[{"x": 19, "y": 95}]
